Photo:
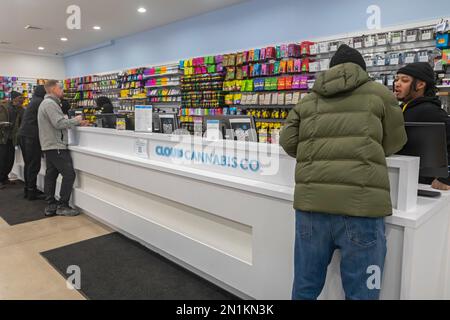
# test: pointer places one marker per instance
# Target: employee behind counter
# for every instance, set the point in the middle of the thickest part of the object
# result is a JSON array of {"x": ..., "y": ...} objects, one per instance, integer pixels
[
  {"x": 415, "y": 87},
  {"x": 106, "y": 110}
]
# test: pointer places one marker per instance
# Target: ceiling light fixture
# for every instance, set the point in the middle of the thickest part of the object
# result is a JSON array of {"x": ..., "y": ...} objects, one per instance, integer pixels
[
  {"x": 142, "y": 10},
  {"x": 64, "y": 39},
  {"x": 96, "y": 28},
  {"x": 41, "y": 48}
]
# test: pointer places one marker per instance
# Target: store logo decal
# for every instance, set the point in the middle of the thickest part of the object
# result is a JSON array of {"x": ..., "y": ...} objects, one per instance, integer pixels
[{"x": 208, "y": 158}]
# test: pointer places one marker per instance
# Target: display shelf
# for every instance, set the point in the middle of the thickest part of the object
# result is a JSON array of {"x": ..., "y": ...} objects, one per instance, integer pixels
[
  {"x": 162, "y": 75},
  {"x": 204, "y": 115},
  {"x": 172, "y": 95},
  {"x": 269, "y": 60},
  {"x": 270, "y": 120},
  {"x": 386, "y": 68},
  {"x": 279, "y": 75},
  {"x": 403, "y": 46},
  {"x": 269, "y": 91},
  {"x": 260, "y": 106},
  {"x": 122, "y": 98},
  {"x": 162, "y": 86},
  {"x": 200, "y": 90},
  {"x": 167, "y": 102}
]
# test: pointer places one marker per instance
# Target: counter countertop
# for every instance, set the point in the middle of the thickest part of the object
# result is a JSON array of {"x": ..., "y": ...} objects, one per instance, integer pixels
[{"x": 426, "y": 207}]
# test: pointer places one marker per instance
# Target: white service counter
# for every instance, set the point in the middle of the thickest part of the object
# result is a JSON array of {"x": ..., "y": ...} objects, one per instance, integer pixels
[{"x": 224, "y": 210}]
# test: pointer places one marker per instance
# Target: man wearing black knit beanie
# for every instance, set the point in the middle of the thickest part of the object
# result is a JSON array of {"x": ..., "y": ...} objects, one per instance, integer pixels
[{"x": 415, "y": 87}]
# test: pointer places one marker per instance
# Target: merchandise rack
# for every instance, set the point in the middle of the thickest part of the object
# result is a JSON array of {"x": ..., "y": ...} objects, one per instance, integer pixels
[
  {"x": 262, "y": 106},
  {"x": 270, "y": 120}
]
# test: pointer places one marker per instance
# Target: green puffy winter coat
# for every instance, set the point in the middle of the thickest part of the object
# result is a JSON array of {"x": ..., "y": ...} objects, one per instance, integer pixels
[{"x": 340, "y": 135}]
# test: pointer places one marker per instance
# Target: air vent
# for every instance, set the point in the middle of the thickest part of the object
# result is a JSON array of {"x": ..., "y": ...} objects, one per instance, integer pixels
[{"x": 30, "y": 27}]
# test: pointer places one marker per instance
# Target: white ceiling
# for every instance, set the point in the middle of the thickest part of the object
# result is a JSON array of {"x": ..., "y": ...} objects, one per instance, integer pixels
[{"x": 117, "y": 18}]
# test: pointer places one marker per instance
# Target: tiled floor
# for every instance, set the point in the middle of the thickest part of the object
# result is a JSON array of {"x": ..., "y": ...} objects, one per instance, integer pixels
[{"x": 24, "y": 273}]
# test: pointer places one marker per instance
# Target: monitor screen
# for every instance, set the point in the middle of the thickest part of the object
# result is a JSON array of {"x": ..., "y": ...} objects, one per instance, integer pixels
[
  {"x": 168, "y": 123},
  {"x": 241, "y": 128}
]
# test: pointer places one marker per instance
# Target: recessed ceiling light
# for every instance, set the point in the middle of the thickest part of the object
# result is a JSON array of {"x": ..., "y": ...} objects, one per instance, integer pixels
[
  {"x": 41, "y": 48},
  {"x": 64, "y": 39},
  {"x": 97, "y": 28},
  {"x": 142, "y": 10}
]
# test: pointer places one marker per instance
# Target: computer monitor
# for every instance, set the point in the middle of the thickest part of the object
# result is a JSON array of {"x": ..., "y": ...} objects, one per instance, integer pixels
[
  {"x": 216, "y": 128},
  {"x": 428, "y": 140},
  {"x": 241, "y": 128},
  {"x": 106, "y": 120},
  {"x": 156, "y": 123},
  {"x": 244, "y": 128},
  {"x": 169, "y": 122},
  {"x": 72, "y": 113}
]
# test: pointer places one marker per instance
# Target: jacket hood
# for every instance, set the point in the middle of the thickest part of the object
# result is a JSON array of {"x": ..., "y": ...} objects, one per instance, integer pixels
[
  {"x": 40, "y": 92},
  {"x": 339, "y": 79}
]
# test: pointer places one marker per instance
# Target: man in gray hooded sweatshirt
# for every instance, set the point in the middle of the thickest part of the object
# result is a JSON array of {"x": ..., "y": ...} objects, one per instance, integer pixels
[{"x": 53, "y": 136}]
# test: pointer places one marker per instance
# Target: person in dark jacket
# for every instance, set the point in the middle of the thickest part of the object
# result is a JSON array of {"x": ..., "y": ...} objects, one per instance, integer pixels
[
  {"x": 65, "y": 106},
  {"x": 10, "y": 118},
  {"x": 104, "y": 105},
  {"x": 30, "y": 145},
  {"x": 415, "y": 87}
]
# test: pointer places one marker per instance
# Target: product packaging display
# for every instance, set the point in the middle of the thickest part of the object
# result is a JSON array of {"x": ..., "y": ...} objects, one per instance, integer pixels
[{"x": 396, "y": 37}]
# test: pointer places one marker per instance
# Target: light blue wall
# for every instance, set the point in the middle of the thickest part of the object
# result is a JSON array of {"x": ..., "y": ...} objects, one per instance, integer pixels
[{"x": 251, "y": 24}]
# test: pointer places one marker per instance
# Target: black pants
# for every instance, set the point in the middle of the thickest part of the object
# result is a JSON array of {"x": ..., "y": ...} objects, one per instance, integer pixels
[
  {"x": 7, "y": 157},
  {"x": 59, "y": 162},
  {"x": 31, "y": 152}
]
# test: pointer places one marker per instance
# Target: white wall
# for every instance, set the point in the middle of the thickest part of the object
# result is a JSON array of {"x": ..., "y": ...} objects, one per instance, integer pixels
[{"x": 31, "y": 66}]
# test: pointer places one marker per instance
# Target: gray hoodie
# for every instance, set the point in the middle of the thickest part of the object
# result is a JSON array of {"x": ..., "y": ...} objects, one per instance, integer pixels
[{"x": 53, "y": 125}]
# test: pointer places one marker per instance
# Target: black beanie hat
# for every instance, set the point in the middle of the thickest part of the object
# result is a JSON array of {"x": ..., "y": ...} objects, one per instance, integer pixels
[
  {"x": 346, "y": 54},
  {"x": 15, "y": 94},
  {"x": 421, "y": 71}
]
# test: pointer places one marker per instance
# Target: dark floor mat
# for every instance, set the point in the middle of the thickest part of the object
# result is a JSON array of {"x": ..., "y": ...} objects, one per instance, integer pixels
[
  {"x": 14, "y": 209},
  {"x": 114, "y": 267}
]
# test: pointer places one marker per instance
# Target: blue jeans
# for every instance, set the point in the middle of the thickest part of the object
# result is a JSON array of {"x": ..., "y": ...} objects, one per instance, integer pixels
[{"x": 362, "y": 243}]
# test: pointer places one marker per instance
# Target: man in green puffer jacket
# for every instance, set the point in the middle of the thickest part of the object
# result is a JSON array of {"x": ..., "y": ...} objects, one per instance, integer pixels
[{"x": 340, "y": 135}]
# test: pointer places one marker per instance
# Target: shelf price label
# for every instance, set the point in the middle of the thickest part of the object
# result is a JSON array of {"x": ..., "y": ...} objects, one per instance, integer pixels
[
  {"x": 381, "y": 42},
  {"x": 409, "y": 59},
  {"x": 396, "y": 40},
  {"x": 394, "y": 61},
  {"x": 426, "y": 36}
]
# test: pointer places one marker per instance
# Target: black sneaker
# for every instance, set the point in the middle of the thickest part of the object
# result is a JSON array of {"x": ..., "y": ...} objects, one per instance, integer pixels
[
  {"x": 35, "y": 195},
  {"x": 2, "y": 185},
  {"x": 50, "y": 211},
  {"x": 65, "y": 210}
]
